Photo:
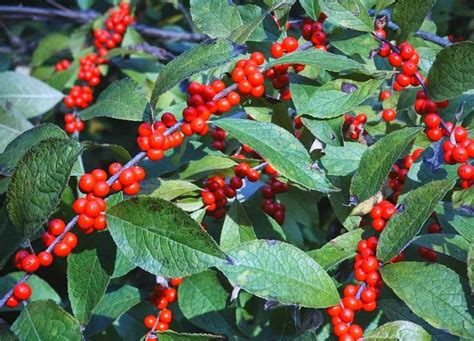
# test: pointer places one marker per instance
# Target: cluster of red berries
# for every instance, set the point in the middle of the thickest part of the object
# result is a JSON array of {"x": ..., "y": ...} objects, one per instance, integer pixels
[
  {"x": 129, "y": 180},
  {"x": 21, "y": 292},
  {"x": 201, "y": 105},
  {"x": 62, "y": 65},
  {"x": 152, "y": 139},
  {"x": 354, "y": 126},
  {"x": 115, "y": 26},
  {"x": 89, "y": 69},
  {"x": 95, "y": 183},
  {"x": 79, "y": 96},
  {"x": 399, "y": 172},
  {"x": 269, "y": 205},
  {"x": 381, "y": 213},
  {"x": 216, "y": 192},
  {"x": 424, "y": 106},
  {"x": 248, "y": 77},
  {"x": 56, "y": 228},
  {"x": 218, "y": 135},
  {"x": 358, "y": 297},
  {"x": 73, "y": 123},
  {"x": 161, "y": 297},
  {"x": 91, "y": 213},
  {"x": 313, "y": 31}
]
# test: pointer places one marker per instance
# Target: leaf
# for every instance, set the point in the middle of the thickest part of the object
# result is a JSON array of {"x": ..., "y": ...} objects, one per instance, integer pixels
[
  {"x": 377, "y": 161},
  {"x": 26, "y": 95},
  {"x": 20, "y": 145},
  {"x": 433, "y": 292},
  {"x": 311, "y": 7},
  {"x": 237, "y": 228},
  {"x": 204, "y": 302},
  {"x": 49, "y": 46},
  {"x": 340, "y": 203},
  {"x": 215, "y": 18},
  {"x": 242, "y": 33},
  {"x": 206, "y": 165},
  {"x": 40, "y": 289},
  {"x": 11, "y": 125},
  {"x": 123, "y": 100},
  {"x": 257, "y": 265},
  {"x": 5, "y": 333},
  {"x": 325, "y": 60},
  {"x": 86, "y": 288},
  {"x": 329, "y": 100},
  {"x": 201, "y": 57},
  {"x": 353, "y": 42},
  {"x": 342, "y": 160},
  {"x": 347, "y": 13},
  {"x": 111, "y": 306},
  {"x": 337, "y": 250},
  {"x": 46, "y": 321},
  {"x": 121, "y": 154},
  {"x": 470, "y": 267},
  {"x": 122, "y": 264},
  {"x": 38, "y": 182},
  {"x": 399, "y": 330},
  {"x": 464, "y": 199},
  {"x": 408, "y": 19},
  {"x": 327, "y": 131},
  {"x": 450, "y": 244},
  {"x": 281, "y": 149},
  {"x": 452, "y": 72},
  {"x": 416, "y": 208},
  {"x": 168, "y": 189},
  {"x": 160, "y": 238},
  {"x": 173, "y": 336},
  {"x": 10, "y": 237}
]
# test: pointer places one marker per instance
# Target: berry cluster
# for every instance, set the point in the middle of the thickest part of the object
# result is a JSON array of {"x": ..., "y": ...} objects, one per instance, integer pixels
[
  {"x": 91, "y": 213},
  {"x": 218, "y": 135},
  {"x": 202, "y": 104},
  {"x": 62, "y": 65},
  {"x": 79, "y": 96},
  {"x": 21, "y": 292},
  {"x": 216, "y": 192},
  {"x": 313, "y": 31},
  {"x": 115, "y": 26},
  {"x": 73, "y": 123},
  {"x": 128, "y": 180},
  {"x": 399, "y": 172},
  {"x": 152, "y": 138},
  {"x": 89, "y": 69},
  {"x": 161, "y": 297},
  {"x": 246, "y": 74},
  {"x": 269, "y": 205},
  {"x": 381, "y": 213},
  {"x": 354, "y": 126}
]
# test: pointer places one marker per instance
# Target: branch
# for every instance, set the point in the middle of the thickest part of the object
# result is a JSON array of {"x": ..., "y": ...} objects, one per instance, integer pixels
[{"x": 37, "y": 13}]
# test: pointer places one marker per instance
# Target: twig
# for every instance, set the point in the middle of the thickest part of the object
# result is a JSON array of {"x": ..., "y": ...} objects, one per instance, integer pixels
[
  {"x": 186, "y": 15},
  {"x": 155, "y": 51},
  {"x": 28, "y": 12}
]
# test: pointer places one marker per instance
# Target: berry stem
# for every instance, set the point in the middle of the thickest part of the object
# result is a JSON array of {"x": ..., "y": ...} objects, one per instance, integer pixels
[
  {"x": 422, "y": 83},
  {"x": 260, "y": 166},
  {"x": 225, "y": 92}
]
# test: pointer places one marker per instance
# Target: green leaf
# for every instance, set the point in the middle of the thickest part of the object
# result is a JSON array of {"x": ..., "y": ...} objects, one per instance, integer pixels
[
  {"x": 11, "y": 238},
  {"x": 111, "y": 306},
  {"x": 46, "y": 321},
  {"x": 11, "y": 125},
  {"x": 452, "y": 72},
  {"x": 416, "y": 208},
  {"x": 237, "y": 228},
  {"x": 281, "y": 149},
  {"x": 337, "y": 250},
  {"x": 26, "y": 95},
  {"x": 123, "y": 100},
  {"x": 122, "y": 264},
  {"x": 201, "y": 57},
  {"x": 121, "y": 154},
  {"x": 215, "y": 18},
  {"x": 347, "y": 13},
  {"x": 48, "y": 46},
  {"x": 242, "y": 33},
  {"x": 325, "y": 60},
  {"x": 160, "y": 238},
  {"x": 40, "y": 289},
  {"x": 329, "y": 100},
  {"x": 399, "y": 330},
  {"x": 85, "y": 4},
  {"x": 340, "y": 203},
  {"x": 353, "y": 42},
  {"x": 19, "y": 146},
  {"x": 433, "y": 292},
  {"x": 204, "y": 302},
  {"x": 327, "y": 131},
  {"x": 38, "y": 182},
  {"x": 311, "y": 7},
  {"x": 449, "y": 244},
  {"x": 206, "y": 165},
  {"x": 168, "y": 189},
  {"x": 464, "y": 199},
  {"x": 5, "y": 333},
  {"x": 86, "y": 288},
  {"x": 173, "y": 336},
  {"x": 377, "y": 161},
  {"x": 470, "y": 267},
  {"x": 342, "y": 160},
  {"x": 257, "y": 265},
  {"x": 408, "y": 19}
]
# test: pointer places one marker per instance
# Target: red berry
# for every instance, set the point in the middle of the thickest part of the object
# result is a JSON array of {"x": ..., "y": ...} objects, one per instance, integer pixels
[
  {"x": 30, "y": 263},
  {"x": 466, "y": 172},
  {"x": 340, "y": 329},
  {"x": 12, "y": 302},
  {"x": 171, "y": 294},
  {"x": 99, "y": 175},
  {"x": 356, "y": 331},
  {"x": 432, "y": 120},
  {"x": 346, "y": 315},
  {"x": 434, "y": 228},
  {"x": 289, "y": 44},
  {"x": 70, "y": 239},
  {"x": 45, "y": 258},
  {"x": 434, "y": 134},
  {"x": 460, "y": 134},
  {"x": 62, "y": 249},
  {"x": 389, "y": 115},
  {"x": 460, "y": 154},
  {"x": 149, "y": 321},
  {"x": 22, "y": 291},
  {"x": 56, "y": 227},
  {"x": 334, "y": 311},
  {"x": 409, "y": 68},
  {"x": 236, "y": 182},
  {"x": 276, "y": 50},
  {"x": 86, "y": 183},
  {"x": 127, "y": 177},
  {"x": 166, "y": 316},
  {"x": 394, "y": 59}
]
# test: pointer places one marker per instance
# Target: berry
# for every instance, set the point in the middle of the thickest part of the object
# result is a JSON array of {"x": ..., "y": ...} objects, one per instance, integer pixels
[
  {"x": 30, "y": 263},
  {"x": 22, "y": 291},
  {"x": 166, "y": 316},
  {"x": 62, "y": 249},
  {"x": 466, "y": 172},
  {"x": 45, "y": 258},
  {"x": 149, "y": 321},
  {"x": 389, "y": 115}
]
